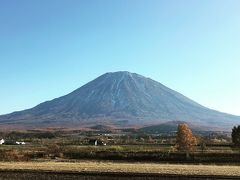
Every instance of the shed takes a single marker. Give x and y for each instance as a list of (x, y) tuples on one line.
[(97, 142)]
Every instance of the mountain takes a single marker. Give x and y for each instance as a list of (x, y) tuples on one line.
[(120, 99)]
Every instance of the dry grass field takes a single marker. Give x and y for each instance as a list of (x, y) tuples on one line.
[(108, 166)]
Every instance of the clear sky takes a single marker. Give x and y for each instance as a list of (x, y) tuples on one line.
[(49, 48)]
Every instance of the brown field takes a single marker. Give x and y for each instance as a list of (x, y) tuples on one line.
[(109, 166)]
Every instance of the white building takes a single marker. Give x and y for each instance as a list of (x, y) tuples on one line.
[(20, 143), (2, 141)]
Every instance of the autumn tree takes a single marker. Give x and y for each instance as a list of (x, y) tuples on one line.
[(236, 136), (185, 140)]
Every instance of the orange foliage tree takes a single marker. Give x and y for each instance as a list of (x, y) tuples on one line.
[(185, 140)]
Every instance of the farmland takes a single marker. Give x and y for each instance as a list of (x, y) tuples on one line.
[(121, 145), (97, 168), (69, 155)]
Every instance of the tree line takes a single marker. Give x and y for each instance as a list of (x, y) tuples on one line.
[(186, 141)]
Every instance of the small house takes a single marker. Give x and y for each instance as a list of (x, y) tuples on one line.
[(20, 143), (97, 142), (2, 141)]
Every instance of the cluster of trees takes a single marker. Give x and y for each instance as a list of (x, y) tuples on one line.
[(28, 135)]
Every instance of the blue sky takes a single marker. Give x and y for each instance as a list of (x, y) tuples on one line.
[(49, 48)]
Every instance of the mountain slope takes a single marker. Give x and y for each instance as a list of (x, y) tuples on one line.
[(171, 126), (161, 128), (120, 99)]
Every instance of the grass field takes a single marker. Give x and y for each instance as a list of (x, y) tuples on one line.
[(109, 166)]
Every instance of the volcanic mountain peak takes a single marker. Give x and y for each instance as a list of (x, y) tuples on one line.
[(120, 99)]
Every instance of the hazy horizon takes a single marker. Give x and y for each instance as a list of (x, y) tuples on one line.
[(50, 48)]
